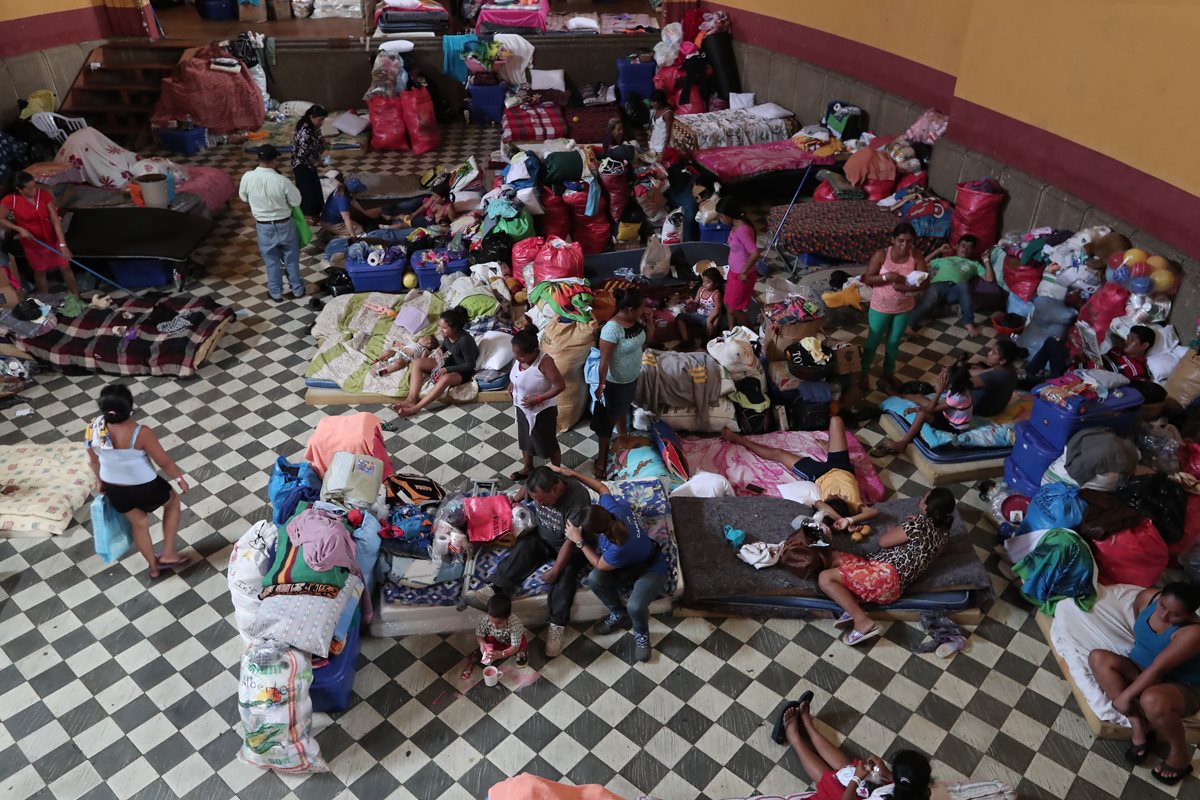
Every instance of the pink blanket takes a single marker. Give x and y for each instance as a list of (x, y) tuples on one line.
[(731, 164), (211, 183), (742, 467)]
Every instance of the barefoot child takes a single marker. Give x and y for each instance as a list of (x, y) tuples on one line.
[(396, 359), (705, 309), (500, 635), (948, 410)]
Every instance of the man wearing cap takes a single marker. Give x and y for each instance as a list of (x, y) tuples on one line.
[(272, 198)]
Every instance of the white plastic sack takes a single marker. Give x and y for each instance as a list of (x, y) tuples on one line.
[(248, 563), (276, 710), (706, 214), (350, 123), (656, 261), (672, 230), (259, 76), (803, 492), (705, 484), (337, 9)]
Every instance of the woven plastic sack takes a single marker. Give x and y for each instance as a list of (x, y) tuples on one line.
[(276, 710), (558, 259), (616, 187), (387, 124), (656, 260), (1183, 386), (421, 120), (977, 213), (524, 254), (594, 232), (569, 343)]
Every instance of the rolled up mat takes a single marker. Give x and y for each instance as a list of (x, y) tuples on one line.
[(719, 49)]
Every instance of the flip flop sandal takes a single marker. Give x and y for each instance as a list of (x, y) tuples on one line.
[(843, 621), (881, 450), (777, 734), (183, 561), (1136, 753), (854, 638), (1180, 774)]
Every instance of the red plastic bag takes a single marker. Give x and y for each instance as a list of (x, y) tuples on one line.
[(558, 259), (616, 188), (918, 178), (667, 79), (1191, 528), (1137, 556), (1021, 280), (977, 213), (556, 217), (824, 193), (878, 188), (576, 201), (488, 518), (387, 124), (524, 253), (595, 232), (695, 104), (1103, 307), (421, 120)]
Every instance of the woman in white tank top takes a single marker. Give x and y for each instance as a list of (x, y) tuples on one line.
[(534, 383), (123, 454)]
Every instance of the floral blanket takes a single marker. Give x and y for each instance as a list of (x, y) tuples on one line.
[(42, 487), (847, 230), (728, 128)]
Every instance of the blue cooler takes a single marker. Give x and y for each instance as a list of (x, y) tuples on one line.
[(383, 278), (714, 232), (333, 683), (189, 142), (487, 103), (1056, 424), (429, 278)]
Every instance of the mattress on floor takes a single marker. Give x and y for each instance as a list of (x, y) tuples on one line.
[(942, 473), (687, 420), (951, 455), (846, 230), (714, 573), (434, 610), (43, 487)]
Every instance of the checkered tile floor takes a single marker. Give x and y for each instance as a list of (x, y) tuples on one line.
[(114, 687)]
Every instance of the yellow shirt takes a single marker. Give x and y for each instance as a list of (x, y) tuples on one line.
[(843, 484)]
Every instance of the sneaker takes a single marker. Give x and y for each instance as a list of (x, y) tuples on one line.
[(641, 646), (478, 598), (299, 293), (612, 622), (275, 297), (554, 640)]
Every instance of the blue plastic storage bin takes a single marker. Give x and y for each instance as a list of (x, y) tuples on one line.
[(383, 278), (714, 232), (627, 89), (1018, 480), (137, 273), (189, 142), (333, 683), (430, 278), (487, 103), (635, 71), (217, 10)]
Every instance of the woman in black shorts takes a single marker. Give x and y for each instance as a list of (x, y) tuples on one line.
[(123, 454), (535, 384)]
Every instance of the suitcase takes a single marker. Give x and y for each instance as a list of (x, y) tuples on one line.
[(1031, 452), (1056, 425), (1018, 480)]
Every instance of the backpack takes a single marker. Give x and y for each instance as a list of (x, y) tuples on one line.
[(844, 120), (805, 415)]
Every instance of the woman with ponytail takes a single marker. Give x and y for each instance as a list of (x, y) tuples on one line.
[(123, 455), (624, 557), (308, 145), (534, 383), (906, 552), (452, 364), (836, 776)]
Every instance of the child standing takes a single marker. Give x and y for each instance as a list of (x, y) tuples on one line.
[(662, 119), (950, 282), (705, 309), (499, 635), (949, 410)]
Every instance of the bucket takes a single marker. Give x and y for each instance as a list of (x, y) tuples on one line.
[(491, 676), (154, 190)]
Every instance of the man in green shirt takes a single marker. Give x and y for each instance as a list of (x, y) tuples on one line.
[(950, 282)]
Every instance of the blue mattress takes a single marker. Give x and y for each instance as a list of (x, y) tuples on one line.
[(927, 601), (952, 455)]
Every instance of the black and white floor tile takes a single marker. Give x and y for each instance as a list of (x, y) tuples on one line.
[(113, 687)]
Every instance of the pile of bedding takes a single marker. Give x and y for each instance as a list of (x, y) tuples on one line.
[(41, 486), (214, 99), (729, 128), (848, 230)]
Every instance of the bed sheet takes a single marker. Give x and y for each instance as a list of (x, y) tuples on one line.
[(280, 134), (628, 23), (1075, 633), (728, 128), (532, 17), (733, 164), (211, 183), (846, 230), (742, 467), (984, 439), (50, 482)]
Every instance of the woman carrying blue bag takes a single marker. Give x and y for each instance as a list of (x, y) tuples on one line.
[(123, 454)]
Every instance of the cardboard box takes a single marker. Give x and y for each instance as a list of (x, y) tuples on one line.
[(279, 9), (252, 13), (777, 338), (847, 359)]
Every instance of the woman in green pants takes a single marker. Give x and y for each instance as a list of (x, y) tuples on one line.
[(892, 299)]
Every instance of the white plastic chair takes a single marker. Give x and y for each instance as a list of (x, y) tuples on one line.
[(56, 126)]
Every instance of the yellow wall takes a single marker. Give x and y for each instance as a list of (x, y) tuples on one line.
[(1116, 76), (18, 9)]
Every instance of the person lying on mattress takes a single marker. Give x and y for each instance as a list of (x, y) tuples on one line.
[(558, 499), (836, 776), (1158, 683), (841, 501), (949, 409), (453, 364), (906, 552)]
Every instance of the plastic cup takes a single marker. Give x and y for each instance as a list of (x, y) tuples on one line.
[(491, 676)]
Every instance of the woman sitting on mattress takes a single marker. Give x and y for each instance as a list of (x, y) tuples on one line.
[(841, 501), (1158, 683), (452, 364), (906, 552)]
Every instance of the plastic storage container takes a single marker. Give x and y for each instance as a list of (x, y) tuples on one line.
[(189, 142), (1031, 453), (487, 103), (217, 10), (627, 89), (1018, 480), (641, 72), (714, 232), (429, 278), (383, 278), (333, 683)]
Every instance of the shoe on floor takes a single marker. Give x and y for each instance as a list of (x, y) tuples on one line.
[(275, 297), (299, 293), (554, 640), (641, 646), (478, 598), (613, 622)]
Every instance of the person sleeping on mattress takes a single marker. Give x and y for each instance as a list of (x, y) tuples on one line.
[(1157, 684), (949, 409), (906, 551), (841, 502)]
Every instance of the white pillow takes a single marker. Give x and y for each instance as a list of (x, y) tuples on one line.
[(583, 24), (397, 45), (741, 99), (305, 622), (295, 108), (495, 350), (769, 111), (547, 79), (350, 123)]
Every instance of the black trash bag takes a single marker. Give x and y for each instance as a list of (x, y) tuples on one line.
[(637, 113), (1164, 502), (496, 246)]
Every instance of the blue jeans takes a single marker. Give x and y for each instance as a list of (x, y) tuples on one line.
[(946, 293), (683, 198), (279, 243), (644, 586), (390, 235), (1051, 359)]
